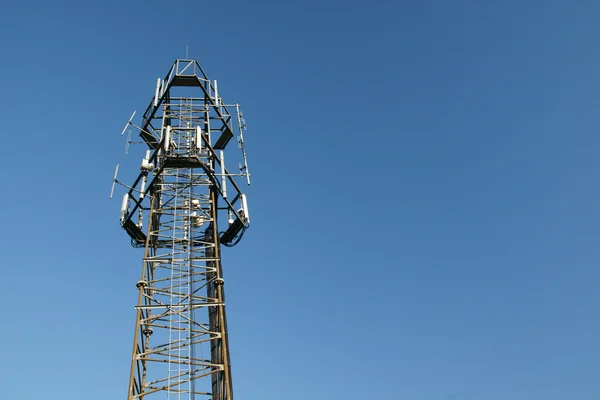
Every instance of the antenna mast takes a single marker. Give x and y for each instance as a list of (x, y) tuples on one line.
[(172, 211)]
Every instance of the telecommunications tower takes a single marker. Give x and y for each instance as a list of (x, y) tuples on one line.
[(172, 210)]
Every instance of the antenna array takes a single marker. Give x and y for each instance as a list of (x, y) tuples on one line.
[(172, 211)]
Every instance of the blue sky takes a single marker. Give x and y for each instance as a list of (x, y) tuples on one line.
[(424, 199)]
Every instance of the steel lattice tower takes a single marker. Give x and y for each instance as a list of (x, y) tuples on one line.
[(180, 346)]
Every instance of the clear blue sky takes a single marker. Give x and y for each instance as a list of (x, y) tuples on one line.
[(425, 201)]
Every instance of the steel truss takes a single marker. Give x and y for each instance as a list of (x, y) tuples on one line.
[(180, 347)]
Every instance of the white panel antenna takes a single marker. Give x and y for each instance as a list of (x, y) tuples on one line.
[(167, 139), (124, 207), (157, 93), (223, 177), (198, 139), (245, 208), (216, 94)]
